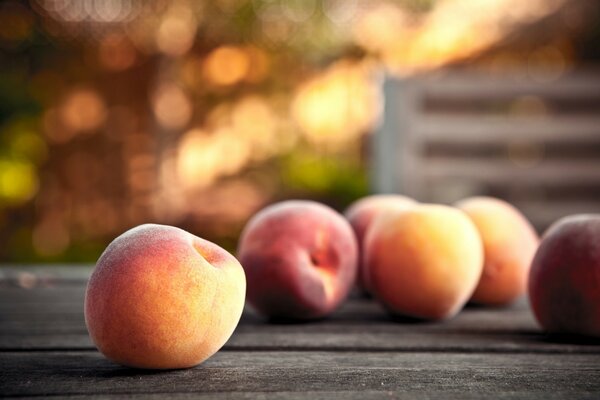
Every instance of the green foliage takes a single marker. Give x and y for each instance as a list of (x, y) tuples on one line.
[(333, 176)]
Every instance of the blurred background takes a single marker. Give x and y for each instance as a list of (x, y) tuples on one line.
[(115, 113)]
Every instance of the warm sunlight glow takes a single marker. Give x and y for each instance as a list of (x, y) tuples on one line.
[(172, 107), (83, 110), (254, 122), (176, 33), (380, 28), (199, 159), (453, 30), (336, 107), (226, 65)]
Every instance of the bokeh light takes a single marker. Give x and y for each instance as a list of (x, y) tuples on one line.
[(18, 181), (381, 28), (172, 106), (335, 108), (196, 114), (176, 32), (83, 110), (198, 159), (91, 10), (255, 123), (226, 65)]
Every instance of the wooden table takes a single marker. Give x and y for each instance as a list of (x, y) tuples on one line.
[(357, 353)]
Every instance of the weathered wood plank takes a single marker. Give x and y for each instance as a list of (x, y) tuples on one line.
[(578, 172), (346, 395), (471, 85), (52, 318), (81, 373), (464, 113), (476, 130), (30, 276), (41, 298), (535, 343), (40, 310), (47, 305), (359, 352)]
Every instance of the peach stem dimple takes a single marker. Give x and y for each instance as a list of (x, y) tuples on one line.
[(324, 270), (204, 253), (314, 259)]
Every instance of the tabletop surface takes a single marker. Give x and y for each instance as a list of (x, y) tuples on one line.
[(359, 352)]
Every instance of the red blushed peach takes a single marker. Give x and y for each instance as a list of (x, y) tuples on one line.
[(424, 261), (163, 298), (564, 281), (362, 213), (300, 259), (509, 243)]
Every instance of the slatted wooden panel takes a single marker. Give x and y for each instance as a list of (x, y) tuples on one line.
[(456, 134), (358, 353)]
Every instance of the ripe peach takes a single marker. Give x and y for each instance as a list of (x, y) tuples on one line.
[(424, 261), (564, 281), (300, 259), (509, 243), (361, 215), (162, 298)]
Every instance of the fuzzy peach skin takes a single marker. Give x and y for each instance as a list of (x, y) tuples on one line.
[(423, 262), (564, 281), (300, 259), (509, 243), (163, 298), (361, 214)]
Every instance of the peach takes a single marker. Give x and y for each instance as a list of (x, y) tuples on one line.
[(300, 259), (509, 243), (163, 298), (362, 213), (424, 261), (564, 281)]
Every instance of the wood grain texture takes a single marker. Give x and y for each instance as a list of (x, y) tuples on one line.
[(44, 276), (475, 85), (346, 395), (358, 353), (51, 318), (68, 373), (467, 130)]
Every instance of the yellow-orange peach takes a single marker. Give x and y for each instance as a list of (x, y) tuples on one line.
[(163, 298), (509, 243), (362, 213), (424, 261), (300, 259), (564, 281)]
